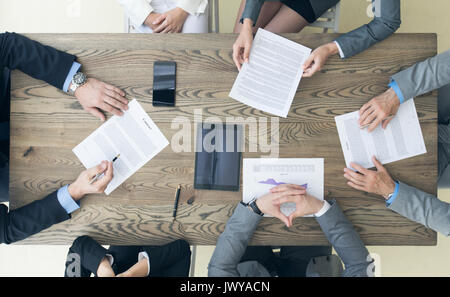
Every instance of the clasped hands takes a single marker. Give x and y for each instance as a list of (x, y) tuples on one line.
[(305, 204)]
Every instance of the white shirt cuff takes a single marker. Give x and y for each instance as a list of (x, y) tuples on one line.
[(193, 7), (326, 206), (138, 12), (144, 255), (341, 53)]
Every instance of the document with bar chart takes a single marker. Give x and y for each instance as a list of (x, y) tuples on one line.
[(262, 174)]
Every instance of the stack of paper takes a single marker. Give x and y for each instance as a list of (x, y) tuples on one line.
[(401, 139), (133, 135), (270, 80)]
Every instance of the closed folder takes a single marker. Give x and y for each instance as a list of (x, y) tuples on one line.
[(218, 157)]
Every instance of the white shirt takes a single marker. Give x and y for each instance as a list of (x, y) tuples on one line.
[(138, 10)]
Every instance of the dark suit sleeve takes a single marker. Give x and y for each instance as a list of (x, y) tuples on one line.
[(170, 260), (37, 60), (346, 241), (30, 219), (84, 257)]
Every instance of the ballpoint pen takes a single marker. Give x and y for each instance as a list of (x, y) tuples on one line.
[(98, 175), (175, 207)]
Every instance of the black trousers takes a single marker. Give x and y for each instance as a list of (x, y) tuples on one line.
[(170, 260), (4, 133), (292, 261)]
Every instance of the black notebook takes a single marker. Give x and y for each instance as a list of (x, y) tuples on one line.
[(218, 157)]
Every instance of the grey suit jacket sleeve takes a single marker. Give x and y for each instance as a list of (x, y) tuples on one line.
[(385, 22), (423, 208), (233, 242), (346, 241), (425, 76)]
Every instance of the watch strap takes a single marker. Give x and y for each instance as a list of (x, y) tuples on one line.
[(253, 206)]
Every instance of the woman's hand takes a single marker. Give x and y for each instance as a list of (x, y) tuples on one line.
[(171, 21), (243, 44), (318, 58)]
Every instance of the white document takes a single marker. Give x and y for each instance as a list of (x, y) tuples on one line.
[(134, 136), (262, 174), (270, 80), (401, 139)]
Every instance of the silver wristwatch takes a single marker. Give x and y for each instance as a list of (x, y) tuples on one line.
[(78, 80)]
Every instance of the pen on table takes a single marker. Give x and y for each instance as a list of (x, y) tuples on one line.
[(175, 207), (367, 125), (97, 176)]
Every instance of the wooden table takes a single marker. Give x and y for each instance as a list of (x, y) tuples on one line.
[(46, 124)]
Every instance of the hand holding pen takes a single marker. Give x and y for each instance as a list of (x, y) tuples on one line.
[(101, 174), (83, 185)]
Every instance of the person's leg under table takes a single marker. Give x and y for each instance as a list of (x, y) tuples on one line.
[(296, 259), (268, 11), (5, 86)]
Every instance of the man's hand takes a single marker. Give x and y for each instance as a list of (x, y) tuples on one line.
[(376, 182), (266, 203), (82, 185), (243, 44), (105, 269), (140, 269), (318, 58), (305, 204), (171, 21), (379, 109), (95, 95), (151, 22)]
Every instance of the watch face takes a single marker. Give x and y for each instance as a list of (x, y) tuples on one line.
[(79, 78)]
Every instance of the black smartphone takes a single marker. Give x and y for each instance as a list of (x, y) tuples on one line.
[(164, 74)]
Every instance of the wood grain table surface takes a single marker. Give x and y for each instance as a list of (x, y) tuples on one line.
[(46, 124)]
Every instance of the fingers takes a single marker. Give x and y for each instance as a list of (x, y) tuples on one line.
[(286, 198), (355, 186), (168, 29), (100, 168), (308, 62), (283, 218), (386, 122), (115, 100), (364, 108), (284, 187), (291, 218), (378, 164), (374, 124), (161, 27), (354, 176), (359, 168), (363, 118), (103, 182), (159, 19), (236, 58), (247, 49), (96, 113), (121, 93), (109, 108)]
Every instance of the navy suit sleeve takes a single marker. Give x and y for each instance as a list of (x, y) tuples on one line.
[(90, 254), (30, 219), (37, 60)]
